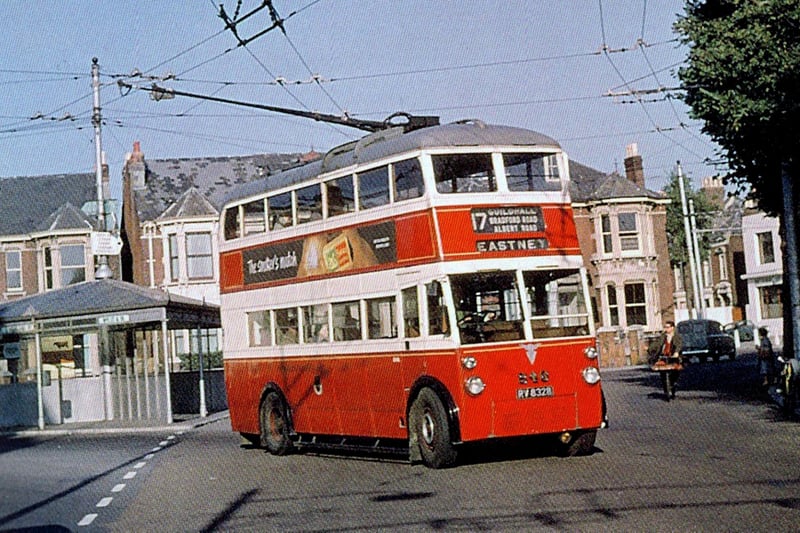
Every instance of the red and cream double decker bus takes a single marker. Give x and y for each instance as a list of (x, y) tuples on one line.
[(419, 286)]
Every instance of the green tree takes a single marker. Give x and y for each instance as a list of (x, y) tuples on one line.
[(676, 236), (742, 79)]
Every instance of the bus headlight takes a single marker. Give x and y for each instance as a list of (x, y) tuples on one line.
[(469, 362), (474, 385), (591, 375), (590, 352)]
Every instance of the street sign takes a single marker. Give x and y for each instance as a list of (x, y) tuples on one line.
[(11, 350), (104, 243)]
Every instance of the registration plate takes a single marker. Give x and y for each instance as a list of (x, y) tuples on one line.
[(534, 392)]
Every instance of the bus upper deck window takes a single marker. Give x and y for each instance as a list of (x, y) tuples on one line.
[(464, 173), (407, 180), (280, 211), (373, 188), (254, 217), (532, 172), (232, 227), (341, 196), (309, 203)]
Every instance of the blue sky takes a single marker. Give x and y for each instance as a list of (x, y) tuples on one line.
[(536, 64)]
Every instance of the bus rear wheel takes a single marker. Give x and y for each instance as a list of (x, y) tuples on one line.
[(431, 430), (275, 425)]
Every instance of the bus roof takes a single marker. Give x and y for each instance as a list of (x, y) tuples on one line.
[(393, 141)]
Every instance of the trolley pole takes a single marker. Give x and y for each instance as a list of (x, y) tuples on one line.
[(103, 271), (689, 248), (698, 260)]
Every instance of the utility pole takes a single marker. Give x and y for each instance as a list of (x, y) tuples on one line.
[(103, 271), (792, 268), (689, 247), (698, 259)]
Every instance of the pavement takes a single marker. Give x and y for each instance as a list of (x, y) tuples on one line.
[(180, 424)]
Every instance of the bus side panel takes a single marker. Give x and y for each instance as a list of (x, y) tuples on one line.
[(311, 412), (244, 396), (344, 395), (231, 274), (369, 395), (524, 397), (416, 237)]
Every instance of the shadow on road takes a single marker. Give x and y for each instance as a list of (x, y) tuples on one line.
[(725, 380)]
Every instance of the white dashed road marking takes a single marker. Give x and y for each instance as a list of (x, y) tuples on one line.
[(88, 519), (105, 501), (119, 487)]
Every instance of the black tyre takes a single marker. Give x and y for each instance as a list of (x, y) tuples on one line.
[(430, 429), (580, 444), (667, 384), (251, 439), (275, 426)]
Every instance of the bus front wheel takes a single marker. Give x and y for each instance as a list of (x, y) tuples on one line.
[(275, 425), (431, 430)]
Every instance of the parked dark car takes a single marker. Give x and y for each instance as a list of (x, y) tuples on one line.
[(745, 328), (705, 340)]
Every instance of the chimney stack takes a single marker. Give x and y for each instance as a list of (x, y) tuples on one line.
[(134, 164), (633, 165), (714, 190)]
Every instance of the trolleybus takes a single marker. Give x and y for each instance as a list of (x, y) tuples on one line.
[(423, 287)]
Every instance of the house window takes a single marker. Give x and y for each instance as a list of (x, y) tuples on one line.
[(723, 265), (628, 234), (199, 264), (765, 247), (635, 310), (771, 301), (174, 264), (14, 270), (73, 264), (605, 231), (613, 306), (48, 268)]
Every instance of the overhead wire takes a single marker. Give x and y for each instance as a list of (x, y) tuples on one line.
[(628, 86)]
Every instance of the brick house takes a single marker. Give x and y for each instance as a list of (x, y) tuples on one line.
[(45, 244), (622, 233), (170, 225)]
